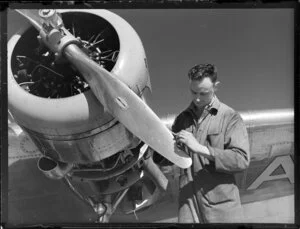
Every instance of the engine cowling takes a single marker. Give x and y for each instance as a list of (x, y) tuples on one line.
[(96, 155), (79, 122)]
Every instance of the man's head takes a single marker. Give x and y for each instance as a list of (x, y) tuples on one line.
[(203, 82)]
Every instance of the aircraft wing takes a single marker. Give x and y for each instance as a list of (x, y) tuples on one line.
[(266, 187), (271, 137)]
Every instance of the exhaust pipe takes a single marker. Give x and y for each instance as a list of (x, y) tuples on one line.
[(53, 169), (155, 173)]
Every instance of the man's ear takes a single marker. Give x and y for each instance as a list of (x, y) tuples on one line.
[(216, 85)]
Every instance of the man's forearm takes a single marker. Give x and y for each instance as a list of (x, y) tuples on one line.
[(230, 160), (204, 151)]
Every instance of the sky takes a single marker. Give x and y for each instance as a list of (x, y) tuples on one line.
[(252, 49)]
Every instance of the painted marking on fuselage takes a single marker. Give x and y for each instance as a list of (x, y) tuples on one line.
[(122, 103), (288, 166)]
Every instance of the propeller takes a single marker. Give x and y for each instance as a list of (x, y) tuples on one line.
[(33, 17), (119, 100)]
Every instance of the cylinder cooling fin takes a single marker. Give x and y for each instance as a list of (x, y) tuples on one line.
[(50, 99), (81, 143), (52, 93), (37, 71)]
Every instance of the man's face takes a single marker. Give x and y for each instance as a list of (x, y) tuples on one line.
[(202, 91)]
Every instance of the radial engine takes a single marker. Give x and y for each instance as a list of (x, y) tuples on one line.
[(82, 144)]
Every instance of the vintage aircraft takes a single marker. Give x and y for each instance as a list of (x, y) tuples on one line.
[(108, 153)]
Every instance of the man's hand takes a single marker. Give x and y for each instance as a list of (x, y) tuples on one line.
[(188, 139)]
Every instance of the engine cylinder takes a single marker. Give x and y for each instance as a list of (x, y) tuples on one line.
[(75, 128)]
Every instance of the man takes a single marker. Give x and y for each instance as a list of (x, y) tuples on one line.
[(214, 135)]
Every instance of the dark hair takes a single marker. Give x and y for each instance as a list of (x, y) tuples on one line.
[(200, 71)]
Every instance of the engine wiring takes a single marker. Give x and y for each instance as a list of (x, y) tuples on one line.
[(39, 72), (123, 157)]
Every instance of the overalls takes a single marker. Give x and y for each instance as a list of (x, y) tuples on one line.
[(207, 190)]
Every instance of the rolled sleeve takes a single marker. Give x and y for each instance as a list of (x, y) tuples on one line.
[(235, 156)]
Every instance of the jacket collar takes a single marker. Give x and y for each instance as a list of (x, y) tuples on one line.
[(212, 107)]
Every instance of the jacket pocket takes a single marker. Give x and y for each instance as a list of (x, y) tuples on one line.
[(221, 194), (216, 187), (215, 137), (214, 129), (215, 125)]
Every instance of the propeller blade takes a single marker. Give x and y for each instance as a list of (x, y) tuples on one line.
[(33, 16), (127, 107), (118, 99)]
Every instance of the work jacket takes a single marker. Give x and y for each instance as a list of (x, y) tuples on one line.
[(208, 191)]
